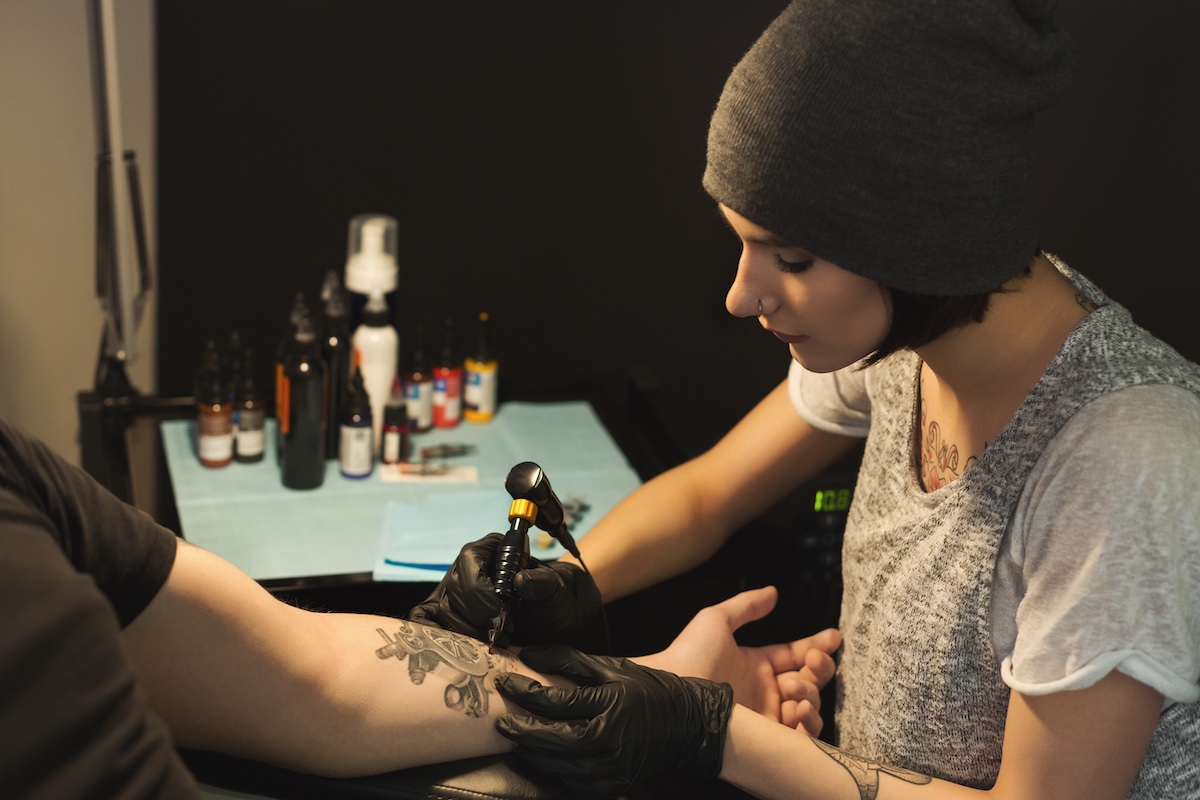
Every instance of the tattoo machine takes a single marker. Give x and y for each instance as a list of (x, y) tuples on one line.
[(534, 503)]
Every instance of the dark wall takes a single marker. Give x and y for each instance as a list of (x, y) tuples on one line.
[(543, 159)]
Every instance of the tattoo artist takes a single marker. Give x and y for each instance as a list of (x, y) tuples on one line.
[(1022, 560)]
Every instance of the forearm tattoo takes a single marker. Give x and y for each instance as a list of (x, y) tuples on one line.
[(866, 773), (461, 661)]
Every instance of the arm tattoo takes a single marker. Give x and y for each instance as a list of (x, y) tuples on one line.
[(460, 660), (866, 773)]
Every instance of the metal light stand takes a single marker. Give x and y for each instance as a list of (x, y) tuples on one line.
[(122, 270)]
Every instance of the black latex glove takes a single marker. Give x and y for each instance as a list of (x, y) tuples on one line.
[(558, 602), (622, 724), (465, 601)]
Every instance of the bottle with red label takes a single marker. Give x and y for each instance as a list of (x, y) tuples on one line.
[(447, 382)]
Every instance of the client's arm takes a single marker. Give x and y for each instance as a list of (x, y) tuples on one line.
[(234, 670)]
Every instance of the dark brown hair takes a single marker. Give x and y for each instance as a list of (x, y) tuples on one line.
[(918, 319)]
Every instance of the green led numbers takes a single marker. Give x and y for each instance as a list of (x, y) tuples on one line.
[(832, 500)]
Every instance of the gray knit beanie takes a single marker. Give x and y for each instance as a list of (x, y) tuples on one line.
[(893, 137)]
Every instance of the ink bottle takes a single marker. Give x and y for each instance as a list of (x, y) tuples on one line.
[(418, 386), (356, 448), (336, 350), (479, 389), (214, 412), (394, 449), (447, 382), (302, 417), (249, 444)]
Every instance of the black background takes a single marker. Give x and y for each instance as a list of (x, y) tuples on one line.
[(544, 160)]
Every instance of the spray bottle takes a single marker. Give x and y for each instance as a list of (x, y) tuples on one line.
[(376, 353)]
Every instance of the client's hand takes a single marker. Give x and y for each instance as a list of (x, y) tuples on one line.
[(622, 723), (559, 602), (782, 682)]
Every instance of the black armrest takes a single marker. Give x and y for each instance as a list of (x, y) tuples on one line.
[(499, 777)]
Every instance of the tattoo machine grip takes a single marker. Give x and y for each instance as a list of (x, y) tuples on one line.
[(513, 555), (527, 481)]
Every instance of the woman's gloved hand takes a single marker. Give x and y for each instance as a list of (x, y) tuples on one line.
[(559, 602), (623, 723)]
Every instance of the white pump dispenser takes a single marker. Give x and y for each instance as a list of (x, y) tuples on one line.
[(371, 261)]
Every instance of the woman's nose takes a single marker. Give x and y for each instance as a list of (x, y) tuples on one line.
[(742, 298)]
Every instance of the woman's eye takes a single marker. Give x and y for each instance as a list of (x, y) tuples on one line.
[(792, 267)]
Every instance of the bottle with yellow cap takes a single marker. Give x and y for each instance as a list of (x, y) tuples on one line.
[(479, 393)]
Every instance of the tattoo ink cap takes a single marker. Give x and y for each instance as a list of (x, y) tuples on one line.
[(894, 139), (479, 387), (371, 264)]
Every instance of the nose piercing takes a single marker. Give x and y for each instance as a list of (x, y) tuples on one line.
[(760, 313)]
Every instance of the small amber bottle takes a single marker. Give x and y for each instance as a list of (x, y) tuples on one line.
[(214, 412)]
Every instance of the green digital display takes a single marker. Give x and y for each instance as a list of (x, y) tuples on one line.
[(832, 500)]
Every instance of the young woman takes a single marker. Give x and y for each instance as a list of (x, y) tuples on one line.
[(1022, 558)]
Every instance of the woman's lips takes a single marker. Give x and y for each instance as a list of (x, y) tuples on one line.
[(784, 337)]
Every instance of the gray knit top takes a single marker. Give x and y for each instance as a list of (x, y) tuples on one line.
[(930, 655)]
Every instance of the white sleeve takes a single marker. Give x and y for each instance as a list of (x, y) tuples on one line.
[(1107, 542), (836, 402)]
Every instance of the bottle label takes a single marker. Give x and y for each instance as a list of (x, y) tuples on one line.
[(251, 438), (418, 396), (447, 397), (479, 394), (356, 454), (395, 446), (214, 438)]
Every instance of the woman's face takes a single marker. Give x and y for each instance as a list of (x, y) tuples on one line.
[(830, 318)]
